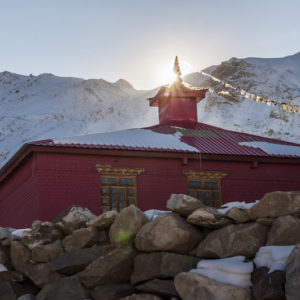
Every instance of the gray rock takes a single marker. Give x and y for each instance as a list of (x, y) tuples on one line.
[(3, 255), (160, 265), (40, 274), (68, 288), (292, 286), (192, 286), (208, 217), (12, 276), (126, 225), (270, 287), (258, 274), (41, 233), (168, 233), (142, 297), (27, 297), (103, 221), (111, 268), (83, 237), (44, 253), (183, 204), (232, 240), (19, 254), (285, 231), (74, 218), (276, 204), (75, 261), (6, 291), (164, 288), (5, 233), (112, 292), (238, 215), (265, 221)]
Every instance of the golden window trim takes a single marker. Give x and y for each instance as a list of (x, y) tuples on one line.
[(191, 174), (206, 176), (109, 170)]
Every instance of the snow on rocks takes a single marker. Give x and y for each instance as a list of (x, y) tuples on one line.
[(2, 268), (19, 232), (273, 257), (227, 206), (232, 270), (152, 214)]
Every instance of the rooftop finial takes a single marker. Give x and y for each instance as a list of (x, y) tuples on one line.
[(176, 69)]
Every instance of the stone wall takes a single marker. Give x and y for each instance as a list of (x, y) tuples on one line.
[(129, 256)]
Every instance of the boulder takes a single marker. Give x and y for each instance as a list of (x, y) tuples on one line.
[(160, 265), (41, 233), (19, 254), (126, 225), (111, 268), (44, 253), (192, 286), (103, 221), (233, 240), (73, 218), (68, 288), (27, 297), (7, 292), (11, 276), (83, 237), (39, 274), (276, 204), (183, 204), (258, 274), (238, 215), (5, 233), (168, 233), (285, 231), (164, 288), (270, 287), (3, 255), (142, 297), (112, 292), (292, 286), (75, 261), (208, 217)]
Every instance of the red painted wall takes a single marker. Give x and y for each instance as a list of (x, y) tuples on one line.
[(177, 109), (60, 180), (18, 197)]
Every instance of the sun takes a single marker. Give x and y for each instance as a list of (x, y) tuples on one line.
[(166, 76)]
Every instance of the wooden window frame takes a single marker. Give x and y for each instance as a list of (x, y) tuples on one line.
[(107, 171), (206, 176)]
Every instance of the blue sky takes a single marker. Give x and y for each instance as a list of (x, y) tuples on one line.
[(138, 39)]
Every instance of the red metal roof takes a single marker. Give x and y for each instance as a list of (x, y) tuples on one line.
[(202, 138)]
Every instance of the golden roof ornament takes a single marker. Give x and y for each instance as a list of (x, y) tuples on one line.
[(176, 69)]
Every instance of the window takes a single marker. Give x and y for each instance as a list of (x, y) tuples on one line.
[(205, 186), (118, 187)]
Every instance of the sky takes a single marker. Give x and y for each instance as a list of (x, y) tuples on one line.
[(137, 40)]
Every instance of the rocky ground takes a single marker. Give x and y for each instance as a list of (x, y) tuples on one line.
[(129, 256)]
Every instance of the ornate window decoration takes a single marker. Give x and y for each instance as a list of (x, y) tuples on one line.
[(205, 186), (118, 186)]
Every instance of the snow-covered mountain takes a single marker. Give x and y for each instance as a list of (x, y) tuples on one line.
[(271, 78), (47, 106)]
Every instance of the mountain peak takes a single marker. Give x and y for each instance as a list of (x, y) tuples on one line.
[(122, 83)]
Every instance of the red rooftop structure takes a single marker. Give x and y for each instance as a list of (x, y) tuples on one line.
[(144, 166)]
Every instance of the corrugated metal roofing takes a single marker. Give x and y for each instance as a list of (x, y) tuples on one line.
[(176, 137)]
